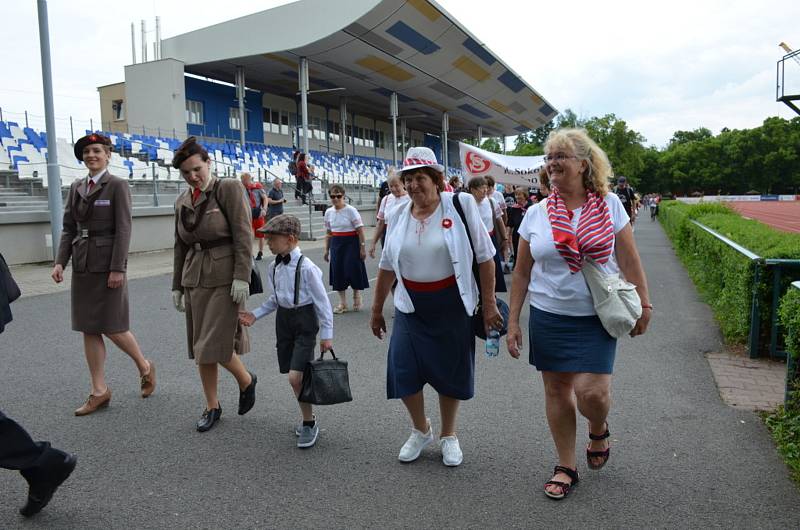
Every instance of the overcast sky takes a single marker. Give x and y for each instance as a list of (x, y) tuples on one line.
[(662, 66)]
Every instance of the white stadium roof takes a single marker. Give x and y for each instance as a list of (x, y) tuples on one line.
[(371, 48)]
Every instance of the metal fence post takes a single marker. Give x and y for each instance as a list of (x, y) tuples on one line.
[(155, 185), (755, 314)]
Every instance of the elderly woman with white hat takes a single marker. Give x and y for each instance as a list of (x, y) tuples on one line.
[(428, 251)]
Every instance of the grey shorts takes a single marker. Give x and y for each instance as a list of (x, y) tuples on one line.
[(297, 337)]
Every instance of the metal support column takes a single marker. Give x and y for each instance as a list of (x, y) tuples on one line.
[(53, 171), (403, 148), (445, 128), (240, 98), (504, 144), (304, 101), (393, 114), (480, 136), (343, 124)]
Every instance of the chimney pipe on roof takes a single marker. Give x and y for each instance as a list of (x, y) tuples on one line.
[(133, 42), (144, 42)]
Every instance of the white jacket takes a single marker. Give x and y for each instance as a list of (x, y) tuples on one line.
[(457, 245)]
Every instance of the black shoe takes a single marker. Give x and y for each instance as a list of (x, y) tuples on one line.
[(247, 397), (40, 493), (259, 256), (209, 418)]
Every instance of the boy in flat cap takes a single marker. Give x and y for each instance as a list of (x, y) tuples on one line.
[(304, 309)]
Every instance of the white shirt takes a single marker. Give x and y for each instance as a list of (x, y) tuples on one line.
[(389, 203), (312, 290), (424, 256), (345, 220), (552, 287), (485, 209), (456, 241), (499, 199), (95, 178)]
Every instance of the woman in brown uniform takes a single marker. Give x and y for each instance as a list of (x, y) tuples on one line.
[(96, 234), (211, 274)]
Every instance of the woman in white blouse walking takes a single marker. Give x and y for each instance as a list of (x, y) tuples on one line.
[(428, 251), (345, 249)]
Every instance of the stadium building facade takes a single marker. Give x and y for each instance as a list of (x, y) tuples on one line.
[(367, 78)]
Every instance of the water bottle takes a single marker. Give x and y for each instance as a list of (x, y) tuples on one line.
[(492, 343)]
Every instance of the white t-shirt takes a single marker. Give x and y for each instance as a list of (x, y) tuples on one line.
[(345, 220), (552, 287), (389, 203), (424, 256), (485, 209), (499, 200)]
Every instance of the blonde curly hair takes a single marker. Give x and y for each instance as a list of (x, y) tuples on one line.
[(598, 171)]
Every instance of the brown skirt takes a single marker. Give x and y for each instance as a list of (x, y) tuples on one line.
[(213, 331), (96, 309)]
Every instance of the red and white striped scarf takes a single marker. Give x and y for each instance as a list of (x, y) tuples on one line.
[(594, 237)]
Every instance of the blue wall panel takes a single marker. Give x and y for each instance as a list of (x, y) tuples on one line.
[(217, 99)]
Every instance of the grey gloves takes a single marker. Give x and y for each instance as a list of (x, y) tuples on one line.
[(240, 290)]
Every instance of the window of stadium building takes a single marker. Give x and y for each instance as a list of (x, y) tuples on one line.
[(194, 112), (233, 119), (119, 110)]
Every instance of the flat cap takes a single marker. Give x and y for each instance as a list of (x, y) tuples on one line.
[(283, 225), (90, 139)]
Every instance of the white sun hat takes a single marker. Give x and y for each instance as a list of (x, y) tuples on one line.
[(421, 157)]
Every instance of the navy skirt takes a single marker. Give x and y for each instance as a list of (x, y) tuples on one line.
[(432, 345), (347, 269), (561, 343), (499, 277)]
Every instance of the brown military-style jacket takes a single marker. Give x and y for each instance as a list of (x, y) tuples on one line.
[(226, 216), (97, 227)]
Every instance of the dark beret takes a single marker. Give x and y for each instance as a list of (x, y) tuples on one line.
[(90, 139)]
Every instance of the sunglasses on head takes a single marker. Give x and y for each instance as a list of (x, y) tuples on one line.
[(336, 196)]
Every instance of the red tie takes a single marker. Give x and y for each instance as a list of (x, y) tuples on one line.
[(90, 186), (195, 195)]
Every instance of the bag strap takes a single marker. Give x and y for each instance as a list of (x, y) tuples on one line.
[(460, 211)]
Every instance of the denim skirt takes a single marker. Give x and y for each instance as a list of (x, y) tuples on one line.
[(562, 343)]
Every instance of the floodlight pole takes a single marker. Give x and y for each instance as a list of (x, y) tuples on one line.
[(445, 128), (393, 112), (240, 97), (53, 171)]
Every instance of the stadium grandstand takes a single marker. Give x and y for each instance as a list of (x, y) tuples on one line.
[(353, 84)]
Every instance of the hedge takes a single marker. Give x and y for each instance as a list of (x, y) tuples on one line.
[(723, 276)]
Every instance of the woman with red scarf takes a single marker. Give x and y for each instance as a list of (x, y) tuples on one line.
[(580, 219)]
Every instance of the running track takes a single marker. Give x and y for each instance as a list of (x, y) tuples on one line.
[(783, 215)]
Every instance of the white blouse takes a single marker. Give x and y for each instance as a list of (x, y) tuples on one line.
[(389, 203), (424, 256), (345, 220), (485, 209)]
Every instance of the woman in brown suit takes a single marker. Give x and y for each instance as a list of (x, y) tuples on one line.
[(96, 235), (211, 274)]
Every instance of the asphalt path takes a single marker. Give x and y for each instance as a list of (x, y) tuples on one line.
[(680, 457)]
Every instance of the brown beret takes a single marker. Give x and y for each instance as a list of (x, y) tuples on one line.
[(283, 225), (90, 139)]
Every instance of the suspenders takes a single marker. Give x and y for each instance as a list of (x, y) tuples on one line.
[(296, 280)]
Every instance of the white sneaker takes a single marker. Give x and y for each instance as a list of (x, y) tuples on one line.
[(415, 444), (451, 451)]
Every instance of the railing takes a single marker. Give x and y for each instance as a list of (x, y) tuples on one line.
[(761, 265)]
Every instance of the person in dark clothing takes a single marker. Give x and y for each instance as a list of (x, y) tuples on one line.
[(304, 176), (44, 467), (293, 172), (516, 212), (627, 196)]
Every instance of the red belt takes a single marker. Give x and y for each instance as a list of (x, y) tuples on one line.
[(427, 287), (343, 234)]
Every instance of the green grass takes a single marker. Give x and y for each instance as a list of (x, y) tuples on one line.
[(784, 424)]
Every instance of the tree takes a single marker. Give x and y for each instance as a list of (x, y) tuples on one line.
[(493, 145)]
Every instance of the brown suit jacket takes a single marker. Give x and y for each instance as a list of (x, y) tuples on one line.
[(111, 213), (226, 215)]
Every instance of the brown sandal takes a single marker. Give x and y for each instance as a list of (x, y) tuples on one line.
[(564, 487), (598, 454)]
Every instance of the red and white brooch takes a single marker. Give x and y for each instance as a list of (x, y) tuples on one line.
[(447, 223)]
